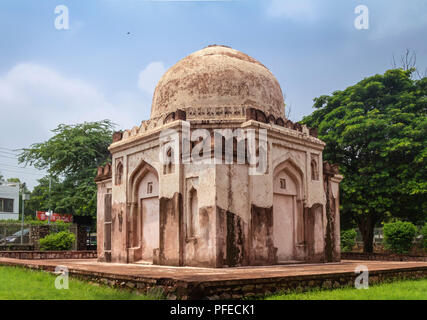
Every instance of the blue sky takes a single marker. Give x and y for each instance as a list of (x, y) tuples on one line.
[(95, 70)]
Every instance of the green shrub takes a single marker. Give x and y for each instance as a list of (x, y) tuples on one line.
[(58, 241), (399, 236), (348, 240), (59, 226), (424, 234)]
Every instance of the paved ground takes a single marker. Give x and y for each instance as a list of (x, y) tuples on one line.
[(209, 274)]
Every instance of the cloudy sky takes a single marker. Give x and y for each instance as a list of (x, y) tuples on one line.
[(107, 63)]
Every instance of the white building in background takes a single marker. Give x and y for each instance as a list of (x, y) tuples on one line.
[(9, 201)]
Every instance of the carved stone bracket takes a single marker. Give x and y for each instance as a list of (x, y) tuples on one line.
[(104, 172)]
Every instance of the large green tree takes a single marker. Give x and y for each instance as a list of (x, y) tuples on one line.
[(376, 131), (71, 158)]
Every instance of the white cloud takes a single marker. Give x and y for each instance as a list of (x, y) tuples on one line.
[(296, 10), (30, 83), (149, 77), (34, 99)]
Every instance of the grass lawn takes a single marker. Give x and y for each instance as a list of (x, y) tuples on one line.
[(19, 283), (24, 284), (399, 290)]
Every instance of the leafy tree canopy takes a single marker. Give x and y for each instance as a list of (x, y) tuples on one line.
[(376, 131), (71, 157)]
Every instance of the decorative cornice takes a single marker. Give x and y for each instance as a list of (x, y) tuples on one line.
[(103, 173), (330, 169), (226, 113)]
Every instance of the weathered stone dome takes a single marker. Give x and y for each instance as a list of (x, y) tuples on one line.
[(217, 77)]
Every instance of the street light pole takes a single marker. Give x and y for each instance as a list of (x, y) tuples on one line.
[(24, 197), (49, 212), (22, 214)]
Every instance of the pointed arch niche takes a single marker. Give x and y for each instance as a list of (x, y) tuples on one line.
[(192, 208), (288, 218), (118, 176), (144, 212)]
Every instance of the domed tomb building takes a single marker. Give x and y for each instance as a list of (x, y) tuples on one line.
[(218, 177)]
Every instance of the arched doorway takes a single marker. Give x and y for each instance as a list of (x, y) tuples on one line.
[(149, 215), (145, 220), (288, 227)]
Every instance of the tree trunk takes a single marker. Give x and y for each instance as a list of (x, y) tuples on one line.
[(366, 227)]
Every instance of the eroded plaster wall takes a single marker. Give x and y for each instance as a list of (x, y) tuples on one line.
[(245, 210), (199, 224), (233, 214), (104, 188)]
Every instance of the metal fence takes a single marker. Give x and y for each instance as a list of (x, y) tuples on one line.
[(13, 234), (379, 237)]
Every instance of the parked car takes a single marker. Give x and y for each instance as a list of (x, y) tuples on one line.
[(91, 240), (16, 237)]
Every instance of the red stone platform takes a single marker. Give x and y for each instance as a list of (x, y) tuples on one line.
[(226, 283)]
